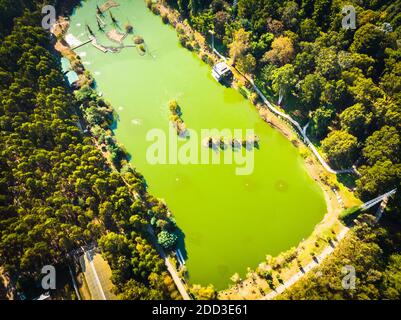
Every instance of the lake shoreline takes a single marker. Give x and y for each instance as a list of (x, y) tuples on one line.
[(312, 167), (330, 222)]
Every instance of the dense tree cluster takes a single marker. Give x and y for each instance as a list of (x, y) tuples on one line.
[(345, 82), (347, 85), (57, 191), (66, 182), (374, 254)]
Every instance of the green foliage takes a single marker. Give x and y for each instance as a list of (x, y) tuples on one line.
[(392, 278), (203, 22), (321, 119), (345, 83), (370, 40), (183, 7), (305, 60), (247, 63), (384, 144), (283, 80), (282, 51), (341, 148), (348, 215), (57, 192), (371, 250), (204, 293), (327, 63), (167, 240), (378, 179), (220, 21), (174, 107), (290, 14)]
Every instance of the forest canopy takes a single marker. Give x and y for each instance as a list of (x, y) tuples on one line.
[(344, 82), (57, 191)]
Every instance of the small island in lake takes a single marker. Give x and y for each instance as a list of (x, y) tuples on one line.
[(223, 143), (176, 119)]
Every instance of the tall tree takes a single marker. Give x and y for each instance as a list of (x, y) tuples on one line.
[(282, 51), (341, 148), (240, 44), (356, 120), (284, 80), (310, 90), (321, 119), (382, 145)]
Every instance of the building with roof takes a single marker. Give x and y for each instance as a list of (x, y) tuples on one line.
[(221, 71)]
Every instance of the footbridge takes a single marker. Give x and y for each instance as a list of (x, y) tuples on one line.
[(330, 249), (375, 201)]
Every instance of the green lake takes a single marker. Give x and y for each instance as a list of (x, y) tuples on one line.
[(230, 221)]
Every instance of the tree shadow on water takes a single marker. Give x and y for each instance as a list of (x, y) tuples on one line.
[(181, 243), (114, 124)]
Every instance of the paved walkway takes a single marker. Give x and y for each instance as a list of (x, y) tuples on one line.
[(177, 279), (326, 252), (171, 269), (91, 276), (302, 132)]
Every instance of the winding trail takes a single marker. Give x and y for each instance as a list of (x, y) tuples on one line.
[(329, 249), (316, 261), (301, 130), (170, 268)]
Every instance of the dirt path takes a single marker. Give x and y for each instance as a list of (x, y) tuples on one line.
[(316, 261), (250, 288), (171, 269)]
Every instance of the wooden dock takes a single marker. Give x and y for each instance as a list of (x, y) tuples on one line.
[(93, 41), (98, 46), (108, 5), (100, 20), (81, 44)]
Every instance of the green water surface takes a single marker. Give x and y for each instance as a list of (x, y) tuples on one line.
[(230, 222)]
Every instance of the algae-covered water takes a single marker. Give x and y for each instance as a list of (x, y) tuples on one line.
[(230, 222)]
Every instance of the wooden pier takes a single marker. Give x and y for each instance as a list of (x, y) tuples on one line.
[(98, 18), (93, 41), (108, 5), (98, 46), (81, 44)]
